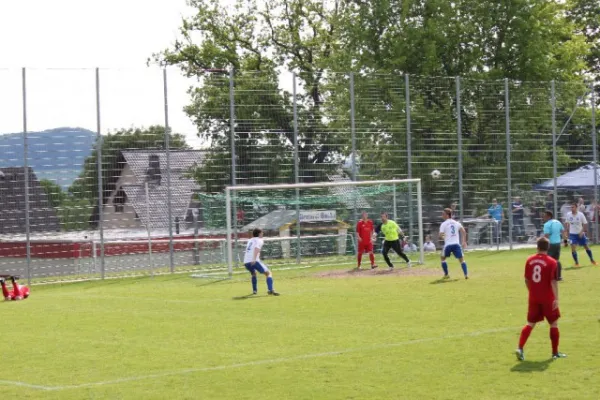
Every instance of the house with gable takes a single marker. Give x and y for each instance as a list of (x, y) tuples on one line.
[(125, 203)]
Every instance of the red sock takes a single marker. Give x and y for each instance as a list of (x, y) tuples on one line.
[(4, 290), (372, 258), (359, 258), (554, 335), (524, 335)]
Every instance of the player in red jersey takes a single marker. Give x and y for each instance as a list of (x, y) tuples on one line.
[(18, 292), (541, 279), (364, 235)]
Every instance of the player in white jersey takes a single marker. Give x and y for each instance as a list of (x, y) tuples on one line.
[(253, 264), (450, 231), (576, 225)]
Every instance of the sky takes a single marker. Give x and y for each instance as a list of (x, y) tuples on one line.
[(61, 42)]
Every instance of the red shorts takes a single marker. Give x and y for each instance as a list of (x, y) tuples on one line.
[(365, 246), (538, 311)]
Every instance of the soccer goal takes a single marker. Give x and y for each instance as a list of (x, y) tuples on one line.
[(314, 224)]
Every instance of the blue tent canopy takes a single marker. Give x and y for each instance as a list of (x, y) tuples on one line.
[(578, 180)]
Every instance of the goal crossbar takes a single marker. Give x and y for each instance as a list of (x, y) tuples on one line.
[(235, 188)]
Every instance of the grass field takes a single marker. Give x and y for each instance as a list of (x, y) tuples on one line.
[(370, 337)]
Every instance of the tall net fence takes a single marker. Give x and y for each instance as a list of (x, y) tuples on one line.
[(108, 172)]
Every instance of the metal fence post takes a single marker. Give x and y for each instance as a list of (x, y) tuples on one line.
[(508, 171), (461, 209), (595, 152), (168, 156), (233, 156), (296, 168), (26, 177), (99, 141), (408, 155), (353, 133), (554, 155)]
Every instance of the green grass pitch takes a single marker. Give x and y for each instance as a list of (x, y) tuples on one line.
[(371, 337)]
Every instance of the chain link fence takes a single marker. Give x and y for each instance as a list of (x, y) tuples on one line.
[(117, 172)]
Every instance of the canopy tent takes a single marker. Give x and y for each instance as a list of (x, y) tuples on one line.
[(581, 179)]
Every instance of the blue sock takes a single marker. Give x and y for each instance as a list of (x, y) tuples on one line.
[(445, 267), (589, 253), (574, 253), (464, 267), (254, 284), (270, 283)]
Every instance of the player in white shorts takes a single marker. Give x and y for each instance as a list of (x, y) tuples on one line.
[(253, 263), (576, 225), (450, 231)]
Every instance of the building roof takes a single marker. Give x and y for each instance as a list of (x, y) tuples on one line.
[(182, 186), (272, 221), (42, 217), (180, 162), (279, 218), (156, 208)]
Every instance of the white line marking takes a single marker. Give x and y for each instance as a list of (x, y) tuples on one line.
[(27, 385), (270, 361), (277, 360)]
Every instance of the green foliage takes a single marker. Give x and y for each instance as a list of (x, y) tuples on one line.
[(380, 40), (73, 213)]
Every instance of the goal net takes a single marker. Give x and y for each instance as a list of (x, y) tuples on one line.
[(314, 224)]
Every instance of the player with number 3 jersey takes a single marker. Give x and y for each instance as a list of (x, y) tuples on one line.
[(451, 231), (541, 279), (253, 263)]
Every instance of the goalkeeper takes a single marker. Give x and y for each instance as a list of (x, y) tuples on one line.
[(18, 292), (392, 233)]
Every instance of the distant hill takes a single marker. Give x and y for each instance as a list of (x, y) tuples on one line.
[(55, 154)]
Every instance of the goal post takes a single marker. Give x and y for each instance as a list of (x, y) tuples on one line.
[(284, 200)]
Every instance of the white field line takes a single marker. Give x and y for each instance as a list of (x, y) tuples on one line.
[(26, 385), (171, 300), (268, 361)]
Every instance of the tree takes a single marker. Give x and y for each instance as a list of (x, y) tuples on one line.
[(380, 40), (585, 15), (73, 213), (297, 34)]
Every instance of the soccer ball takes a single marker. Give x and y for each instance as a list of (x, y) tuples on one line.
[(436, 174)]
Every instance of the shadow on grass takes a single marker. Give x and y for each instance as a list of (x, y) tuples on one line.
[(248, 296), (531, 366), (212, 281), (575, 268), (442, 280)]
